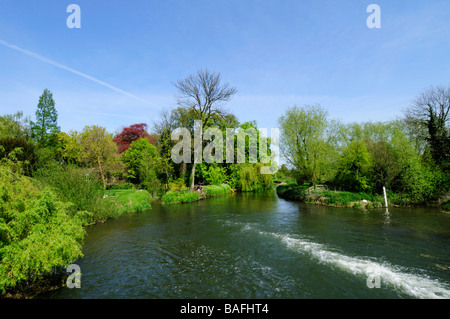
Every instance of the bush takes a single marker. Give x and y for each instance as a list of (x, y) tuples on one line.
[(38, 233), (292, 191), (81, 188), (215, 175), (19, 151), (178, 185)]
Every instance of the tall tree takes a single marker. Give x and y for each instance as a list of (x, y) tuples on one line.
[(306, 142), (14, 125), (430, 113), (142, 159), (45, 129), (99, 150), (203, 93)]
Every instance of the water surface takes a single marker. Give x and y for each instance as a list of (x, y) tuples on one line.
[(261, 246)]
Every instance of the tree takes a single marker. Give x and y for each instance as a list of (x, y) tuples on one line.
[(306, 142), (45, 128), (203, 93), (142, 160), (99, 150), (354, 168), (14, 125), (69, 147), (430, 114), (131, 134)]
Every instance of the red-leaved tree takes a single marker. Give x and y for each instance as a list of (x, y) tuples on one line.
[(131, 134)]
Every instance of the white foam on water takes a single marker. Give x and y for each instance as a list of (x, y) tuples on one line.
[(418, 286)]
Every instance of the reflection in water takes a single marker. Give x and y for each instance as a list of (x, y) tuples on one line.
[(387, 217)]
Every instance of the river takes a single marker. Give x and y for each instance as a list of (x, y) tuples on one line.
[(261, 246)]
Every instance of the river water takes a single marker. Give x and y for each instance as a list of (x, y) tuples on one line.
[(261, 246)]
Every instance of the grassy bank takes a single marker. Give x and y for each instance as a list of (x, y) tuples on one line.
[(177, 197), (130, 200), (324, 197)]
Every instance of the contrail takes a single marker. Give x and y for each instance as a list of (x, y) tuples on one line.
[(61, 66)]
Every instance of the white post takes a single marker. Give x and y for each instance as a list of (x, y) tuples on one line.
[(385, 197)]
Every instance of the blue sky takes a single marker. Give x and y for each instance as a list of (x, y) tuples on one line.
[(276, 53)]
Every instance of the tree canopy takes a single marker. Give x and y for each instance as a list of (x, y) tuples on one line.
[(45, 129)]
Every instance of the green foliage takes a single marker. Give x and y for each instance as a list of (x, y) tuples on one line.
[(80, 187), (69, 147), (38, 232), (99, 151), (176, 197), (446, 206), (326, 197), (232, 175), (248, 178), (292, 191), (20, 152), (45, 129), (217, 190), (142, 160), (178, 185), (307, 142), (14, 126), (354, 168), (416, 180), (251, 179), (214, 174), (131, 200)]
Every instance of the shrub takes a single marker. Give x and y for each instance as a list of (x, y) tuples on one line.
[(215, 175), (177, 185), (19, 151), (81, 188), (292, 191), (38, 232)]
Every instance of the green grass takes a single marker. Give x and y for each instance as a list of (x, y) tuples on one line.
[(217, 190), (185, 196), (130, 200), (176, 197)]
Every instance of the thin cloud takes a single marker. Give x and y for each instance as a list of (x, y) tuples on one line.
[(63, 67)]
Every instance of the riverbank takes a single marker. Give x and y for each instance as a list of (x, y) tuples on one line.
[(324, 197), (130, 200), (200, 193)]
